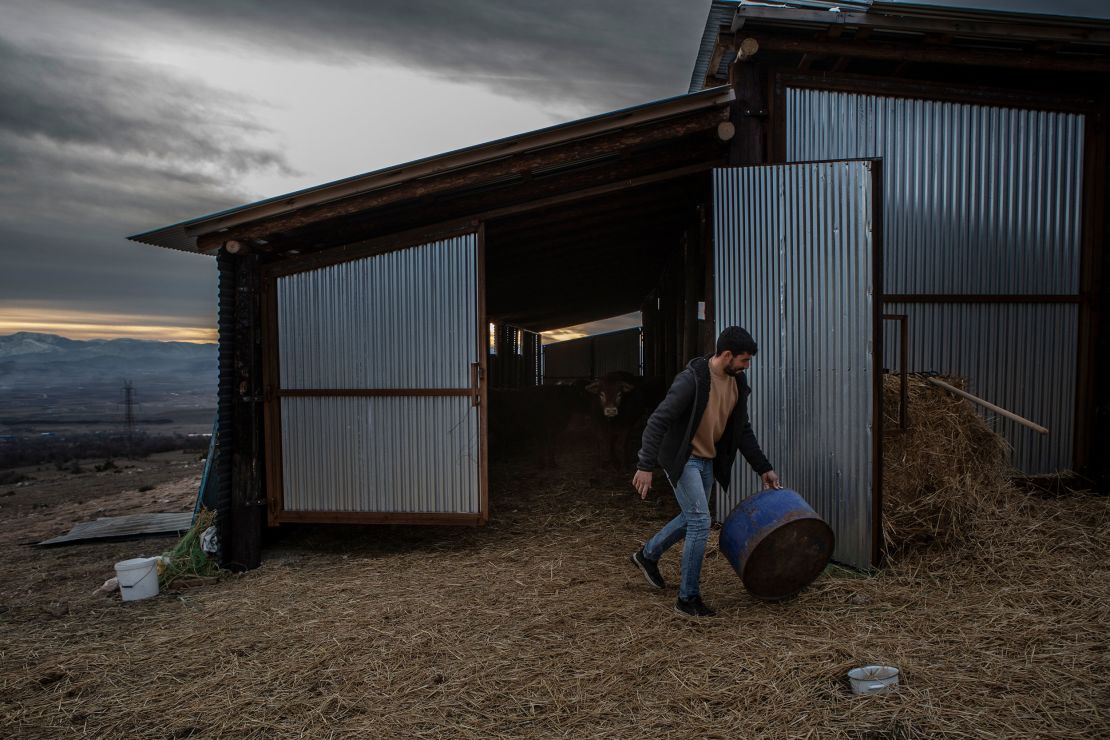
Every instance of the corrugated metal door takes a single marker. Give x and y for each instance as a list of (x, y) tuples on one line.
[(379, 365), (796, 255)]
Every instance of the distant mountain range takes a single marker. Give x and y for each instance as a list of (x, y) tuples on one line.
[(30, 361)]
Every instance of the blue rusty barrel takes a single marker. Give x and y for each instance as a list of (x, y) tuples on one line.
[(776, 543)]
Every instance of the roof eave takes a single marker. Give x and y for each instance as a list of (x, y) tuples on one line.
[(184, 235)]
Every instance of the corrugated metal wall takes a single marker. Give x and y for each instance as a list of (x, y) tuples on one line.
[(380, 454), (1007, 351), (405, 319), (514, 357), (793, 253), (402, 320), (978, 200), (617, 351)]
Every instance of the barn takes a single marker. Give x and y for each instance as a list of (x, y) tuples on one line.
[(872, 189)]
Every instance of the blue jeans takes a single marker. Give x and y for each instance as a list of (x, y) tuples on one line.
[(692, 493)]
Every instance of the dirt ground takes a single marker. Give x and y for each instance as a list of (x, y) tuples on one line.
[(45, 583), (537, 625)]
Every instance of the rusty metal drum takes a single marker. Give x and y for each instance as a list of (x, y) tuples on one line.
[(776, 543)]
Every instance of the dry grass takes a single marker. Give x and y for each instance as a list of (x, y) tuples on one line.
[(942, 473), (537, 626)]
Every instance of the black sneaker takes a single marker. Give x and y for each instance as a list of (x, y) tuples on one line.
[(693, 607), (650, 569)]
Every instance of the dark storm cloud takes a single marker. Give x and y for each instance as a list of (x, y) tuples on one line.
[(85, 134), (94, 272), (599, 53), (93, 147)]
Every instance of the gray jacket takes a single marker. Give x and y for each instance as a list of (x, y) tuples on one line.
[(670, 431)]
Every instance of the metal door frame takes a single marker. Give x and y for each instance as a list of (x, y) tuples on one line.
[(273, 393)]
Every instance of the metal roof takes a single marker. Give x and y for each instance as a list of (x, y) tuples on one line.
[(721, 13), (1056, 21), (183, 235), (131, 525)]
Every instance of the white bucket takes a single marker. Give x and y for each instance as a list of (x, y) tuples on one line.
[(873, 679), (138, 578)]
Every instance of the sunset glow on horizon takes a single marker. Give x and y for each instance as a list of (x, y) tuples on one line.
[(91, 325)]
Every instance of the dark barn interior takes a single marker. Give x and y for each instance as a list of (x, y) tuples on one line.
[(641, 249)]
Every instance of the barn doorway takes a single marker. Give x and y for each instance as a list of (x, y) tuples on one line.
[(639, 251), (789, 251)]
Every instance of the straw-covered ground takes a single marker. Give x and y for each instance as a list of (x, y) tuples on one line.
[(537, 625)]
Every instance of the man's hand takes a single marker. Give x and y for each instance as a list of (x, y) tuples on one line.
[(642, 482), (771, 480)]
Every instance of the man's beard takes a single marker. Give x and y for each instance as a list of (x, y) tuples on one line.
[(733, 373)]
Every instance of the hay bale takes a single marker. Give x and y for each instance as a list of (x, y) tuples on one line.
[(941, 473)]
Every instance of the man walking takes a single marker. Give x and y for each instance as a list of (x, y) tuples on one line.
[(694, 435)]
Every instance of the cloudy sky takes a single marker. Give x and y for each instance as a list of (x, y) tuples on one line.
[(122, 115)]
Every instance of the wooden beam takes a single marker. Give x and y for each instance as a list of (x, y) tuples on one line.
[(641, 203), (989, 406), (583, 237), (718, 55), (1021, 298), (1075, 31), (642, 166), (693, 266), (749, 114), (368, 517), (542, 316), (771, 42)]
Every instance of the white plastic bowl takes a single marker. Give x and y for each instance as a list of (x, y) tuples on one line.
[(873, 679)]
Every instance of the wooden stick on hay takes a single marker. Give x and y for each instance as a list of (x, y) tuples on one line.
[(988, 405)]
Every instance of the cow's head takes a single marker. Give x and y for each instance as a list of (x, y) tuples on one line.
[(609, 393)]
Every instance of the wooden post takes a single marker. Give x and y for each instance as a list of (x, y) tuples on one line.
[(748, 112), (647, 319), (667, 322), (248, 503), (679, 316), (709, 327), (657, 364), (691, 267)]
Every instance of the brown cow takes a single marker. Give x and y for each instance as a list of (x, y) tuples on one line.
[(617, 413)]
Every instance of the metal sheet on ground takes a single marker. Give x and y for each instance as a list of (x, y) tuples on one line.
[(132, 525)]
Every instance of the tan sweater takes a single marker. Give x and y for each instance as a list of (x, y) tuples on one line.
[(722, 400)]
